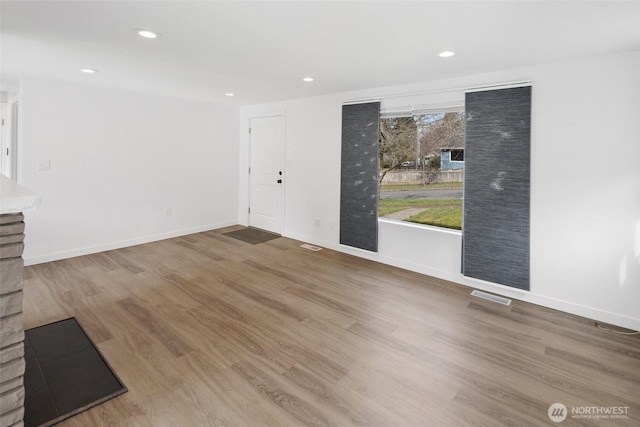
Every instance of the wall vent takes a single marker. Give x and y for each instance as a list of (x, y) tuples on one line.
[(311, 247), (491, 297)]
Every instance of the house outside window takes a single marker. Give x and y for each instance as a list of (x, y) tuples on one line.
[(451, 158)]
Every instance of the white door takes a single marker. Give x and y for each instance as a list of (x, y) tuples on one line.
[(266, 174), (4, 147)]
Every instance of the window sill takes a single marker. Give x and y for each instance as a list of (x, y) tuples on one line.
[(420, 226)]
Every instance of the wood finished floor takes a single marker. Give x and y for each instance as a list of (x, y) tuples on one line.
[(206, 330)]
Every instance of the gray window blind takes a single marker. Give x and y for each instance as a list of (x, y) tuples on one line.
[(359, 176), (496, 186)]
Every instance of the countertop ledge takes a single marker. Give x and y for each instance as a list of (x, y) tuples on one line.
[(15, 198)]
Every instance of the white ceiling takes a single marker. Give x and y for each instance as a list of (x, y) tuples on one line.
[(261, 50)]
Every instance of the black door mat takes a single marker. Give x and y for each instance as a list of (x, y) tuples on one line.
[(65, 374), (252, 235)]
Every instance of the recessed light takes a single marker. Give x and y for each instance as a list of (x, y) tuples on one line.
[(307, 79), (88, 70), (229, 94), (147, 34), (446, 54)]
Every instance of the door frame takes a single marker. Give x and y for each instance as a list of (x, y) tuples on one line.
[(283, 159)]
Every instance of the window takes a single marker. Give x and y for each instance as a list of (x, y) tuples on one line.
[(457, 155), (422, 168)]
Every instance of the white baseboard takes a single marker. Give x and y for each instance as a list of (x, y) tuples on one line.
[(123, 243), (527, 296)]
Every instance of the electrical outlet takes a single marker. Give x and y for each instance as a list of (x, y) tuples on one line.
[(316, 222), (167, 212)]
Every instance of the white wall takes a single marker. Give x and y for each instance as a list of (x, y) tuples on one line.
[(585, 185), (118, 159)]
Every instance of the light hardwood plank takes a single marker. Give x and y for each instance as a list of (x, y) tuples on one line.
[(206, 330)]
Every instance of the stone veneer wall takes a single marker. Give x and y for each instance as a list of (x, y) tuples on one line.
[(12, 362)]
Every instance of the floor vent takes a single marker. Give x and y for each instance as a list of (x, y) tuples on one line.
[(491, 297), (311, 247)]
